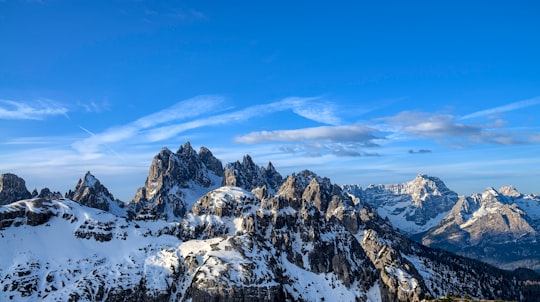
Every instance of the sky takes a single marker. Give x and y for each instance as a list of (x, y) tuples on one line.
[(362, 92)]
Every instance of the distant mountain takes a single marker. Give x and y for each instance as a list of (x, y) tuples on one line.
[(499, 227), (187, 238), (413, 207)]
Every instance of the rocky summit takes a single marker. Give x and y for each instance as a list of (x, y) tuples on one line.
[(202, 231), (91, 193)]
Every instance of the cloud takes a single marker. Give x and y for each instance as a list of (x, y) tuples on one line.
[(421, 124), (94, 106), (420, 151), (352, 133), (312, 109), (39, 110), (505, 108), (182, 110), (315, 149), (341, 141), (297, 104), (187, 115), (449, 129)]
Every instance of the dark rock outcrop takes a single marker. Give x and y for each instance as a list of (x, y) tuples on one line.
[(12, 188), (47, 194), (91, 193), (249, 176), (170, 175)]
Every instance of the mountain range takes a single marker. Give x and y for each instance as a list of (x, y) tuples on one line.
[(199, 230)]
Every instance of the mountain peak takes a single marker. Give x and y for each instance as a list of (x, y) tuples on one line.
[(89, 180), (490, 193), (91, 193), (249, 175), (509, 191), (171, 176), (186, 149)]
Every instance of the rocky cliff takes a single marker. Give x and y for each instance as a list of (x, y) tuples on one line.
[(174, 182), (91, 193), (12, 188)]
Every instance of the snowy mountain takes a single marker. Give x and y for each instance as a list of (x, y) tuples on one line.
[(304, 240), (499, 227), (413, 207)]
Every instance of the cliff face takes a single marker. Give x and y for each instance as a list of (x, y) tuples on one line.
[(91, 193), (174, 182), (12, 188)]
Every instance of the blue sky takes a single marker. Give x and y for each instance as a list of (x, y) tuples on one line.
[(357, 91)]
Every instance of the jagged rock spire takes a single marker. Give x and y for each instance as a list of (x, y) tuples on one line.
[(249, 176), (169, 175), (91, 193)]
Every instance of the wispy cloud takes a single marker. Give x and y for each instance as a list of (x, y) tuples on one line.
[(183, 110), (505, 108), (352, 133), (38, 110), (451, 129), (340, 141), (94, 107), (429, 125), (187, 115), (420, 151), (314, 109), (314, 149)]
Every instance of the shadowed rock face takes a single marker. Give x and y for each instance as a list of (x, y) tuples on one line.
[(90, 192), (12, 188), (169, 176), (249, 176)]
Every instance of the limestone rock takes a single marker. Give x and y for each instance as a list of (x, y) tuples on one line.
[(90, 192), (12, 188)]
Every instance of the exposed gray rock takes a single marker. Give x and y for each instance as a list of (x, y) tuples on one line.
[(12, 188), (91, 193), (249, 176), (169, 177), (411, 271), (47, 194), (210, 161)]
